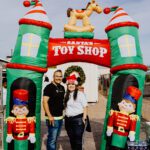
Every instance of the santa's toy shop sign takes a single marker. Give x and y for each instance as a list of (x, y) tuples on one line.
[(78, 50)]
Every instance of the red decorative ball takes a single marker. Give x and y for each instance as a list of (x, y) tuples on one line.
[(26, 3), (107, 10)]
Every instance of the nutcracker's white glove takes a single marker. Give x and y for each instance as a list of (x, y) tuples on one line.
[(9, 138), (109, 131), (32, 138), (131, 136)]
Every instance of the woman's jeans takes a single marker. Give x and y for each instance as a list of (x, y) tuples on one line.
[(53, 133), (75, 128)]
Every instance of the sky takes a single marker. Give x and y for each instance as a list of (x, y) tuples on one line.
[(12, 10)]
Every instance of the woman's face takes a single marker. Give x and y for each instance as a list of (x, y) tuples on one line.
[(71, 87)]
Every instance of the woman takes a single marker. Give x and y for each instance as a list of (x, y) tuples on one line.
[(75, 113)]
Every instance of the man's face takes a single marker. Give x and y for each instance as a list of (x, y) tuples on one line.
[(20, 110), (126, 106), (57, 78)]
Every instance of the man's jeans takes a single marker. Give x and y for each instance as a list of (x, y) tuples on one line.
[(53, 133)]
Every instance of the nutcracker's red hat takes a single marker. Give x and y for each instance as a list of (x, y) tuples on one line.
[(71, 79), (20, 97), (132, 94)]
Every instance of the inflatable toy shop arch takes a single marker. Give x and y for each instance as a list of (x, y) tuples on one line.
[(35, 51)]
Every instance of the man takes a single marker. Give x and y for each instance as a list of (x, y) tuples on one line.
[(53, 105)]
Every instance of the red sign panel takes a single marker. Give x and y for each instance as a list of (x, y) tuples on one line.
[(78, 50)]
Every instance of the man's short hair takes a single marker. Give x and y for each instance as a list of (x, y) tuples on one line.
[(57, 71)]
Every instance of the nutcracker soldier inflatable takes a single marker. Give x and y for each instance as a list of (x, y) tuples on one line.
[(20, 127), (126, 64), (122, 123), (28, 64)]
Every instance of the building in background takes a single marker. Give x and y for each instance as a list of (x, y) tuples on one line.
[(91, 84), (147, 84), (2, 76), (104, 80)]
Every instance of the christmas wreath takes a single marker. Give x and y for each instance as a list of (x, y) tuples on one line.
[(78, 70)]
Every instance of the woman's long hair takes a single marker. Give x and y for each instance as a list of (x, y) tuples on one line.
[(67, 96)]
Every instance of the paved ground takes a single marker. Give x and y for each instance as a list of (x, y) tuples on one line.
[(91, 140)]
